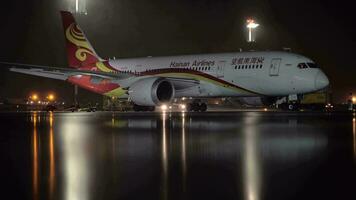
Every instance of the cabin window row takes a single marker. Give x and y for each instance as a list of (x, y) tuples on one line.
[(200, 68), (248, 67)]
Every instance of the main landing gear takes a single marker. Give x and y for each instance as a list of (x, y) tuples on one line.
[(197, 107), (143, 108)]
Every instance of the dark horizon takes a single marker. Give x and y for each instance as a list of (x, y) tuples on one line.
[(32, 33)]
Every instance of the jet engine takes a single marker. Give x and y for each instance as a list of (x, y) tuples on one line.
[(151, 91)]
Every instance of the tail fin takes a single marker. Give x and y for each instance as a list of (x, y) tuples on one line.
[(80, 53)]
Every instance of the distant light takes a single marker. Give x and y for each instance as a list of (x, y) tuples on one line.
[(251, 24), (353, 99), (183, 106), (39, 102), (265, 109), (34, 97), (50, 97)]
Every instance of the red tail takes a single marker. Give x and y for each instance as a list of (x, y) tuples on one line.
[(80, 53)]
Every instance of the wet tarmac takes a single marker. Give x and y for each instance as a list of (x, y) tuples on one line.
[(242, 155)]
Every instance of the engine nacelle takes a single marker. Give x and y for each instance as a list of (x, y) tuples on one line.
[(151, 91)]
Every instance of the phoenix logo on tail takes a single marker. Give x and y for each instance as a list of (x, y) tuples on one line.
[(79, 50)]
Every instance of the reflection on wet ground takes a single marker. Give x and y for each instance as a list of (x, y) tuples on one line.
[(245, 155)]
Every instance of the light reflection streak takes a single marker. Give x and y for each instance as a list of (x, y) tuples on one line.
[(251, 160), (52, 164), (184, 153), (113, 120), (113, 139), (35, 177), (164, 157), (75, 159), (354, 135)]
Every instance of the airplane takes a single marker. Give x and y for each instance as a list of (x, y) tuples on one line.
[(153, 81)]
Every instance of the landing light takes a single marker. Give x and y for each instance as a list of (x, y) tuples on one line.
[(164, 107)]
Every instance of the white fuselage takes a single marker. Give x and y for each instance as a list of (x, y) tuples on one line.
[(234, 74)]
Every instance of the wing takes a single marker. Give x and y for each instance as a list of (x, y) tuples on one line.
[(61, 73), (122, 78)]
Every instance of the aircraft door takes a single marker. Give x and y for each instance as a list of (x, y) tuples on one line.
[(220, 69), (274, 67)]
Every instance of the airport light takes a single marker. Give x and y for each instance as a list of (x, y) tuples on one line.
[(34, 97), (50, 97), (251, 25)]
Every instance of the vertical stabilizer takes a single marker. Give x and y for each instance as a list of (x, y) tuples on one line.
[(80, 53)]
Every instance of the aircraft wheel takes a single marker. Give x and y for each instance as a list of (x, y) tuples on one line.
[(293, 107), (290, 107), (193, 107), (203, 107), (196, 107)]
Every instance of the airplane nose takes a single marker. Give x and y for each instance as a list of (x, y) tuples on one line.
[(321, 81)]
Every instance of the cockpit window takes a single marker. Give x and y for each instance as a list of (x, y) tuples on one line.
[(302, 66), (313, 65)]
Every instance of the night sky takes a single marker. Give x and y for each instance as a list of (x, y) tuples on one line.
[(31, 32)]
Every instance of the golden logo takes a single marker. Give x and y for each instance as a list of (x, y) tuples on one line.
[(76, 37)]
